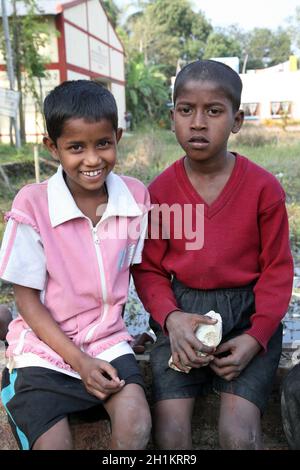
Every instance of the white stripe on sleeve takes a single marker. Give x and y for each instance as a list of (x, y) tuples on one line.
[(23, 258)]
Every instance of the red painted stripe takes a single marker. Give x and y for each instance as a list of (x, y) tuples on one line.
[(91, 74), (61, 47), (79, 2), (66, 6), (93, 36)]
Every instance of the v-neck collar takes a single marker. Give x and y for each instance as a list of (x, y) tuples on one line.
[(231, 186)]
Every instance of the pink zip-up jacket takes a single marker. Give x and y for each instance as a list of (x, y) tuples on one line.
[(84, 280)]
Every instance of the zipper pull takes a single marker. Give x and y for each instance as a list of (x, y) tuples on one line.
[(95, 235)]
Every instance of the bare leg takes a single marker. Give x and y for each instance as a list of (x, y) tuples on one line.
[(5, 319), (130, 418), (239, 423), (56, 438), (172, 423)]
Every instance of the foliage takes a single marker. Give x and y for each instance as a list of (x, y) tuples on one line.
[(293, 29), (266, 48), (147, 92), (112, 11), (29, 34), (168, 30), (221, 44)]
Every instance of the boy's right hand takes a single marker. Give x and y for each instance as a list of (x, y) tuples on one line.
[(181, 327), (99, 377)]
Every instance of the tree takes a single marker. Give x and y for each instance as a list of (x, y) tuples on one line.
[(146, 91), (112, 11), (293, 29), (166, 31), (266, 48), (221, 44), (29, 34)]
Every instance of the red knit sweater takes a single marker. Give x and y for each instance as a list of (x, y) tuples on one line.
[(246, 240)]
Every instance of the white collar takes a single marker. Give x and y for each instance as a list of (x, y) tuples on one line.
[(62, 206)]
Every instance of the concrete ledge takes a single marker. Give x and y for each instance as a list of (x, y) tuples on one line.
[(95, 435)]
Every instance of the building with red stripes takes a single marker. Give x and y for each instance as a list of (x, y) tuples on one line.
[(82, 44)]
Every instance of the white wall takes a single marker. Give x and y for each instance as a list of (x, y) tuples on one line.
[(77, 15), (33, 120), (268, 86), (77, 50), (119, 93)]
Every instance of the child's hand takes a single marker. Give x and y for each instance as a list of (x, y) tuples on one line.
[(99, 377), (241, 351), (184, 344)]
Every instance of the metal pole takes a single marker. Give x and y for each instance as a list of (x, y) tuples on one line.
[(10, 65)]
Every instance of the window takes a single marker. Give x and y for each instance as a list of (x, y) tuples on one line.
[(280, 108), (251, 110)]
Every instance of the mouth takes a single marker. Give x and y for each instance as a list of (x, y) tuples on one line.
[(198, 139), (198, 142), (92, 174)]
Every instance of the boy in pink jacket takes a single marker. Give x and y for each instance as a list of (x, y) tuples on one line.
[(68, 247)]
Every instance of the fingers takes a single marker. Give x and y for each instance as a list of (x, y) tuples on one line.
[(107, 368), (205, 319), (103, 380), (102, 395), (226, 361), (187, 358), (227, 373), (224, 347)]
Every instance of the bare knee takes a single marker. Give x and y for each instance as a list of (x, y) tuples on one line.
[(240, 439), (134, 432), (172, 438), (173, 433), (239, 423)]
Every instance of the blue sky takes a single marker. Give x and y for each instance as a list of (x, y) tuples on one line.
[(248, 14)]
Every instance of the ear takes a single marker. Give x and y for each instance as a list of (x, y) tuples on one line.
[(172, 120), (51, 147), (238, 121), (119, 134)]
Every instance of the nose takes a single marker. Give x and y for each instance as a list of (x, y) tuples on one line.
[(92, 158), (199, 120)]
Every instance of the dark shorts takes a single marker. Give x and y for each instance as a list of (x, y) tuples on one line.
[(235, 306), (36, 398)]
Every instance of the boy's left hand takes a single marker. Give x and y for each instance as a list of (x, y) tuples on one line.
[(241, 351)]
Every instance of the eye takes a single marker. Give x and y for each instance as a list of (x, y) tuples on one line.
[(214, 111), (103, 143), (75, 148), (185, 110)]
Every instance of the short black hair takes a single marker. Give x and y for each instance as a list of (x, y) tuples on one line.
[(78, 99), (214, 71)]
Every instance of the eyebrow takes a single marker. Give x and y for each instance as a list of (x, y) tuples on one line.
[(209, 103), (105, 137)]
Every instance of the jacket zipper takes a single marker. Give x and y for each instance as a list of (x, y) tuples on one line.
[(102, 280)]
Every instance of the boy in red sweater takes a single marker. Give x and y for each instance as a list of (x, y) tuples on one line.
[(232, 256)]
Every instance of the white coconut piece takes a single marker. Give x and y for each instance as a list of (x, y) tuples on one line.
[(209, 335)]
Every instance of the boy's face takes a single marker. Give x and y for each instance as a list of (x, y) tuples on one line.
[(87, 152), (203, 119)]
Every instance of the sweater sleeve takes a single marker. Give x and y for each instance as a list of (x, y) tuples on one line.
[(274, 286), (152, 281)]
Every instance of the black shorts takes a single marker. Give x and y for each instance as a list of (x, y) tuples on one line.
[(235, 305), (36, 398)]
